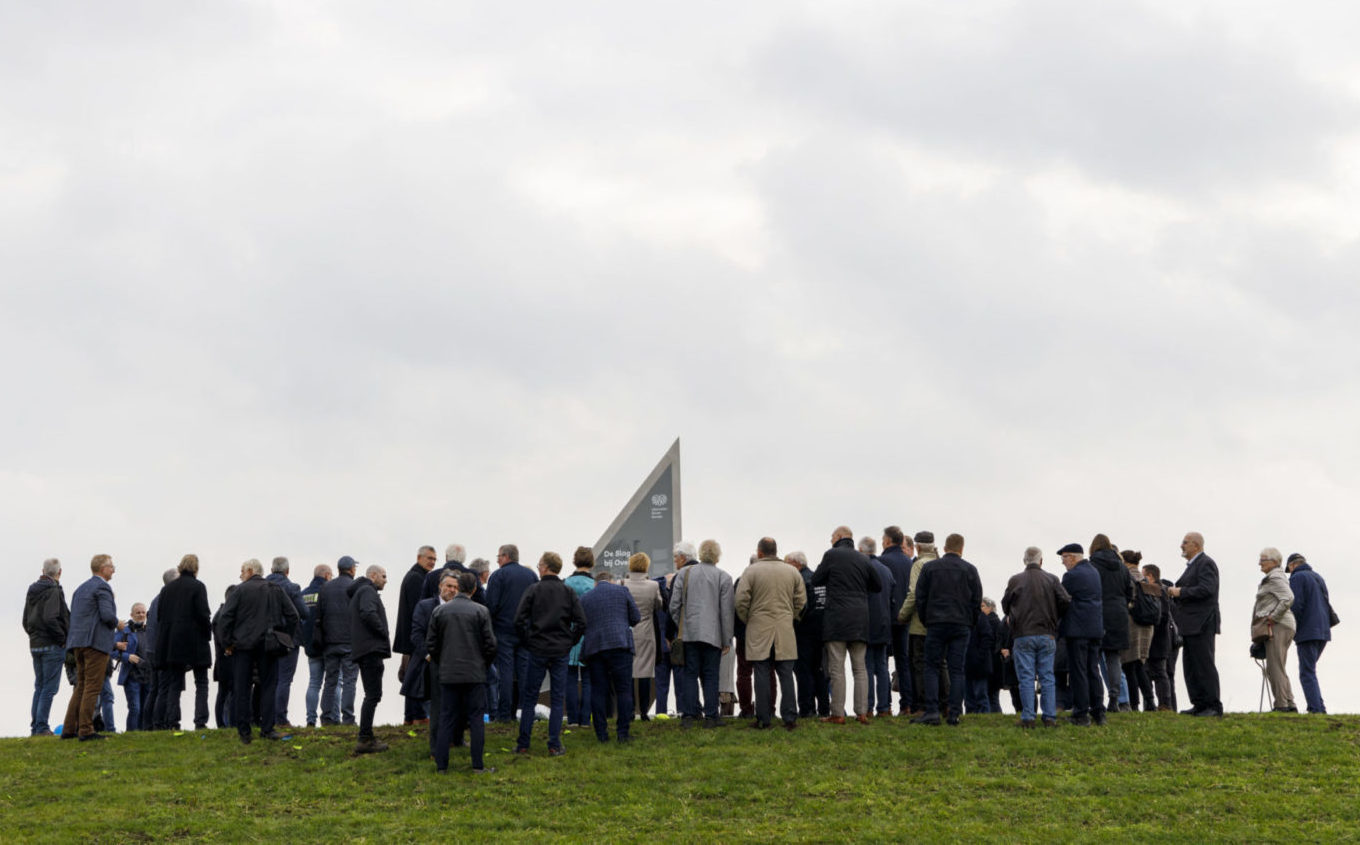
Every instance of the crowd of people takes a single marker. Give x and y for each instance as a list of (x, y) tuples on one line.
[(477, 643)]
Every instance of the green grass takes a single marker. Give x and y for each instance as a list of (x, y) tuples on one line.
[(1146, 777)]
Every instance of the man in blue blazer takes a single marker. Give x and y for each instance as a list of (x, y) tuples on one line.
[(607, 649), (1082, 628), (94, 622), (1195, 610)]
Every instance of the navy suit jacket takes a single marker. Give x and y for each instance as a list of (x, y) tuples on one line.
[(504, 589), (1196, 609), (93, 616), (1084, 617), (611, 614)]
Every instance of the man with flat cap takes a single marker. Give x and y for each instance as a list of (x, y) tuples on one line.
[(1082, 628)]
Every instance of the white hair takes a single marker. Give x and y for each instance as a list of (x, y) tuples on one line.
[(279, 566), (1272, 553), (51, 567), (685, 549), (253, 565), (1034, 556), (455, 551), (798, 556), (868, 546), (169, 575)]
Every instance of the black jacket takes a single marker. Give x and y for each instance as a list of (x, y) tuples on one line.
[(549, 620), (1196, 609), (1116, 591), (977, 660), (332, 626), (849, 579), (255, 607), (311, 598), (183, 624), (407, 598), (900, 566), (809, 628), (46, 616), (880, 605), (949, 592), (460, 641), (367, 621)]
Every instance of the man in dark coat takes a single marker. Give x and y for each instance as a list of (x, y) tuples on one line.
[(977, 663), (410, 594), (548, 622), (370, 645), (607, 650), (461, 647), (879, 644), (421, 680), (1313, 616), (1082, 629), (504, 589), (278, 575), (183, 635), (46, 621), (254, 611), (949, 599), (1116, 591), (331, 634), (94, 617), (849, 578), (898, 556), (810, 669), (311, 645), (1195, 608)]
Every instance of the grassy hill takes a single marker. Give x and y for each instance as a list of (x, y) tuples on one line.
[(1145, 777)]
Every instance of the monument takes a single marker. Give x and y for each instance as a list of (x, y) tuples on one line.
[(650, 522)]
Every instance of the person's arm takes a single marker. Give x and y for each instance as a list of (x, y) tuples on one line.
[(799, 598), (368, 612), (578, 616), (432, 638), (909, 604), (875, 583), (524, 612), (108, 613), (726, 613), (227, 622), (294, 593), (634, 615), (1061, 596), (743, 599), (1284, 598), (488, 639), (1205, 586)]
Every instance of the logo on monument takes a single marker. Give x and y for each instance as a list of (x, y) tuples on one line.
[(659, 500)]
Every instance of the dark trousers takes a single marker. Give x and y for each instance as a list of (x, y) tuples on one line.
[(746, 681), (901, 655), (436, 706), (579, 701), (1171, 674), (287, 670), (1309, 651), (370, 675), (512, 662), (1140, 685), (556, 670), (947, 644), (459, 705), (916, 643), (169, 685), (765, 672), (975, 698), (702, 662), (1114, 670), (90, 666), (667, 676), (225, 682), (1161, 683), (880, 677), (814, 698), (642, 696), (1201, 675), (244, 666), (338, 688), (1083, 675), (200, 697), (611, 670)]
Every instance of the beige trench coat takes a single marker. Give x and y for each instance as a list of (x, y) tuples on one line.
[(769, 597), (647, 596)]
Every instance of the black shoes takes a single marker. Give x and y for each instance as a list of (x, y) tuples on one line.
[(1050, 723), (369, 745), (274, 736), (716, 722), (1082, 721), (89, 737), (556, 752), (1100, 718), (932, 719)]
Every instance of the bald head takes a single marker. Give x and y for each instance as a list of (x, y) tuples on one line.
[(841, 533), (1192, 545)]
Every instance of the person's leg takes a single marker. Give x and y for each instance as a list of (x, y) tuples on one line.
[(47, 666), (538, 667), (600, 684), (1144, 683), (689, 690), (330, 704), (788, 697), (1309, 652), (663, 685), (242, 671), (802, 672), (448, 708), (744, 683), (493, 690), (132, 691), (200, 697), (955, 652), (764, 707), (349, 688), (436, 711), (1112, 674), (371, 671), (316, 668), (1211, 678), (860, 671), (106, 705), (931, 654), (916, 645), (835, 668), (1077, 676), (1025, 653), (522, 671), (621, 671), (821, 682), (94, 663), (1160, 683), (557, 693), (287, 668), (1192, 664), (71, 723), (573, 709), (476, 710), (902, 663), (642, 698), (711, 666), (1130, 676)]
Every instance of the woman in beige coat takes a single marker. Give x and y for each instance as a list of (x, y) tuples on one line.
[(647, 596), (1272, 614)]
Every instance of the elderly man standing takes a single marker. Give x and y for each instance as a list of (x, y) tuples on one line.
[(311, 645), (461, 646), (770, 596), (247, 628), (916, 630), (183, 635), (1195, 608), (278, 574), (1082, 628), (411, 588), (549, 621), (331, 634), (607, 651), (370, 645), (504, 589), (810, 668), (702, 604), (898, 556), (949, 599), (849, 578), (46, 621), (1313, 614), (94, 619), (1034, 603)]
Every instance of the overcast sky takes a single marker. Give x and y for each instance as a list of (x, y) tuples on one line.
[(319, 279)]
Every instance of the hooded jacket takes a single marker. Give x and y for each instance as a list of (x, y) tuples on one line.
[(332, 626), (368, 633), (1116, 591), (46, 616)]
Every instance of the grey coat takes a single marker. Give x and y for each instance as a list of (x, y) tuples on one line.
[(702, 601)]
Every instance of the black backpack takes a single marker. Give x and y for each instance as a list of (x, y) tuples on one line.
[(1145, 608)]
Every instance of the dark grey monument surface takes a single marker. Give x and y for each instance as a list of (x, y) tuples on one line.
[(650, 522)]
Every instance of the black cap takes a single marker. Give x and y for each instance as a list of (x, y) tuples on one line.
[(923, 537), (1296, 556), (1071, 549)]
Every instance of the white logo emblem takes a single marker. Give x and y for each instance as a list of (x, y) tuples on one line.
[(659, 500)]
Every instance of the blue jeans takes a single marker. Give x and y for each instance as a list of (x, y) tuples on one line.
[(1033, 656), (1309, 652), (47, 665), (702, 662), (512, 662), (880, 678), (316, 666), (611, 670), (132, 691), (341, 670), (1122, 697), (578, 695), (106, 705), (976, 699), (493, 690), (950, 643), (556, 670)]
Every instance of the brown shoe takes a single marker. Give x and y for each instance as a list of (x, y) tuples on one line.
[(832, 720), (862, 719)]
